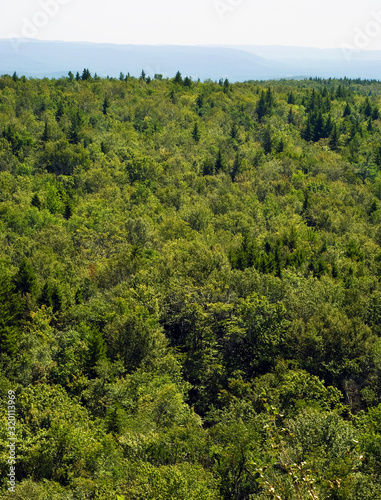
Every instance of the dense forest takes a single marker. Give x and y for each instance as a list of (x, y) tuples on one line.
[(190, 288)]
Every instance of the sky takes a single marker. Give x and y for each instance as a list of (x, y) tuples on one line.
[(310, 23)]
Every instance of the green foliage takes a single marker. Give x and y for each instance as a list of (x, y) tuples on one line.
[(9, 313), (25, 279), (190, 300)]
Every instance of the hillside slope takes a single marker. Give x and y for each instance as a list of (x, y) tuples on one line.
[(190, 288)]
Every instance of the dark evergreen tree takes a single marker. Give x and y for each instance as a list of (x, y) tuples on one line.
[(270, 100), (57, 298), (219, 165), (236, 167), (328, 127), (86, 75), (96, 351), (340, 92), (234, 131), (347, 110), (261, 108), (187, 82), (68, 210), (60, 111), (178, 78), (291, 117), (46, 133), (290, 98), (375, 113), (106, 105), (25, 280), (226, 86), (46, 295), (318, 128), (280, 146), (334, 139), (377, 156), (208, 167), (267, 142), (367, 108), (196, 132), (77, 122), (36, 202), (51, 296)]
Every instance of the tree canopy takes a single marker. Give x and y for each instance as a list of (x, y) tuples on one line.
[(190, 296)]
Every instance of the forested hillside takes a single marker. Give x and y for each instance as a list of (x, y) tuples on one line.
[(190, 288)]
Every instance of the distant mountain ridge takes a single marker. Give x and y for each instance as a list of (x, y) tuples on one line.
[(34, 58)]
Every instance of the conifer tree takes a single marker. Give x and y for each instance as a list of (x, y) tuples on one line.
[(280, 146), (60, 111), (97, 350), (236, 167), (46, 295), (270, 100), (290, 98), (51, 296), (367, 108), (106, 105), (334, 138), (36, 202), (234, 131), (377, 156), (86, 75), (68, 210), (196, 133), (57, 298), (178, 78), (187, 82), (219, 162), (208, 167), (318, 129), (308, 132), (347, 110), (375, 113), (290, 118), (267, 142), (261, 106), (77, 122), (25, 280), (46, 134)]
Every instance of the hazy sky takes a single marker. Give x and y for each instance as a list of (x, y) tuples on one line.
[(317, 23)]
